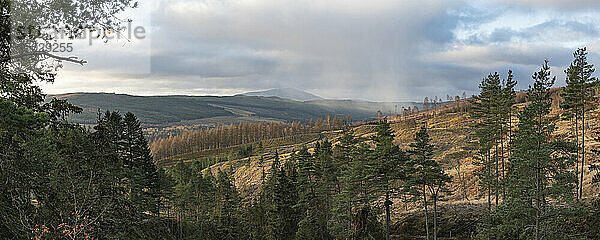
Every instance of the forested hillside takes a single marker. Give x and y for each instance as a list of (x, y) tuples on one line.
[(501, 164), (162, 111), (505, 163), (188, 145)]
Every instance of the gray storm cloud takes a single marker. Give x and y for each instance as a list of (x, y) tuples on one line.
[(376, 50)]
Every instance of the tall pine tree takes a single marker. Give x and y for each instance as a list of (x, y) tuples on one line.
[(426, 177), (578, 98), (539, 182), (388, 162)]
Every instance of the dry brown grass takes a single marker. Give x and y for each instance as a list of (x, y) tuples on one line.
[(450, 135)]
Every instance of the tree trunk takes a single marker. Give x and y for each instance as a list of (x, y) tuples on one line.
[(461, 181), (435, 217), (426, 213), (489, 176), (577, 154), (387, 216), (502, 159), (582, 151), (508, 145), (538, 183), (538, 207), (497, 177)]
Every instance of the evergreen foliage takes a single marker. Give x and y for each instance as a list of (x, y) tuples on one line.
[(492, 110), (578, 98), (426, 177), (540, 185), (228, 226), (387, 161), (66, 181)]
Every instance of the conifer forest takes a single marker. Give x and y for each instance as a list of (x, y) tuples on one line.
[(513, 154)]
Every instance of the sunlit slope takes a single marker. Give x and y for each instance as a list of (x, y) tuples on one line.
[(454, 149)]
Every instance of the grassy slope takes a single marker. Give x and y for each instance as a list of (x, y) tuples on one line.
[(365, 106), (450, 134)]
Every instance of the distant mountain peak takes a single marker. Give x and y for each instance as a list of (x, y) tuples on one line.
[(288, 93)]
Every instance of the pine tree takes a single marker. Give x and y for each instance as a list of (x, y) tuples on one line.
[(353, 216), (26, 155), (387, 161), (578, 97), (596, 168), (538, 173), (491, 110), (506, 124), (426, 176), (59, 180)]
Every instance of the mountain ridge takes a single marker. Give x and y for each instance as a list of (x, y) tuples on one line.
[(287, 93), (180, 109)]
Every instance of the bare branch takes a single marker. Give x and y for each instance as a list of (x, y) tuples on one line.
[(72, 59)]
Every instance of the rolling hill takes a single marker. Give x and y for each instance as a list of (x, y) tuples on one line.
[(287, 93), (163, 111)]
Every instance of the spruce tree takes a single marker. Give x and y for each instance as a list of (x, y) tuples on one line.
[(194, 199), (145, 192), (228, 226), (109, 137), (329, 173), (256, 218), (312, 197), (283, 213)]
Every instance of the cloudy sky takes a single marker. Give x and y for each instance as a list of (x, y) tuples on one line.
[(374, 50)]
